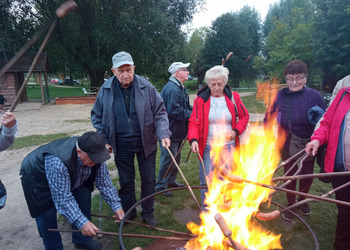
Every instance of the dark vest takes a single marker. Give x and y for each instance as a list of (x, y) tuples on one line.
[(35, 185)]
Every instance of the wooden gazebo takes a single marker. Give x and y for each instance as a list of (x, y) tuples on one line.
[(12, 80)]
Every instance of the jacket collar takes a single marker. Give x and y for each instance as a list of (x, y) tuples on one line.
[(174, 80), (204, 93)]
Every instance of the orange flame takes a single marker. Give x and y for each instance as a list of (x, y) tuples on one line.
[(239, 202)]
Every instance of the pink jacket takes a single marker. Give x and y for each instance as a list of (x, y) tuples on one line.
[(328, 132)]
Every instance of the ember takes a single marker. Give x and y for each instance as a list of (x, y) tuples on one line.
[(237, 201)]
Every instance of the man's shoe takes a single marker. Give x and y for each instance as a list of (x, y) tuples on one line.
[(175, 184), (92, 245), (305, 209), (149, 220), (168, 194), (288, 216)]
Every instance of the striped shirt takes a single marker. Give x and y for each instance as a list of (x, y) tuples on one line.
[(60, 185)]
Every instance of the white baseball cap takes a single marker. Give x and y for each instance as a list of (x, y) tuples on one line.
[(175, 66)]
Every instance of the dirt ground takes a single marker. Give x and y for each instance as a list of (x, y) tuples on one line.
[(18, 230)]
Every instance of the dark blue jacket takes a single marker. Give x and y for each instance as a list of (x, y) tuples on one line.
[(176, 101), (299, 103)]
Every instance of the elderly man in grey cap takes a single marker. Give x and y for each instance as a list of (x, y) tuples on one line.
[(176, 101), (130, 114)]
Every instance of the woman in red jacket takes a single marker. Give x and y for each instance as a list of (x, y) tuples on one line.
[(335, 131), (214, 116)]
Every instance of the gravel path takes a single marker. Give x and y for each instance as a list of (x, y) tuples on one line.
[(18, 230)]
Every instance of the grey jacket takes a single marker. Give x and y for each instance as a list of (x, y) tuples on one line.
[(151, 113)]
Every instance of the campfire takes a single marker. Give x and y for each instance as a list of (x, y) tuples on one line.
[(235, 201)]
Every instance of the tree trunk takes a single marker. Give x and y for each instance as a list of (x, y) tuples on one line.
[(96, 78)]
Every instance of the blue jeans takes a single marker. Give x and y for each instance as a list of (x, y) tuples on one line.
[(48, 219), (165, 161), (124, 160), (209, 167)]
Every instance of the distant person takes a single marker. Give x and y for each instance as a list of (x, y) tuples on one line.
[(59, 177), (176, 101), (335, 132), (292, 105), (131, 116), (2, 102), (8, 130), (214, 116)]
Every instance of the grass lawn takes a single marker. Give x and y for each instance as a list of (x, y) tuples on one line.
[(294, 236)]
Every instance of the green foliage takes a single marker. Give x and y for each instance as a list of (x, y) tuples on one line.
[(237, 33), (150, 31), (290, 37), (332, 41)]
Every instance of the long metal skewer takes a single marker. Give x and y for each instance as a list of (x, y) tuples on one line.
[(183, 177)]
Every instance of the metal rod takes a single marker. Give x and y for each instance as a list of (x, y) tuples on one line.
[(237, 179), (125, 235), (145, 225), (177, 155), (274, 214), (184, 178), (309, 176), (188, 155)]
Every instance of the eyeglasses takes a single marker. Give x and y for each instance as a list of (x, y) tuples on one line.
[(296, 79)]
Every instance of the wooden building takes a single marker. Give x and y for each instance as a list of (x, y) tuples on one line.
[(13, 78)]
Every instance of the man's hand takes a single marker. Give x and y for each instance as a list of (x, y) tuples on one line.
[(312, 147), (89, 229), (8, 119), (109, 148), (194, 147), (166, 142), (118, 215)]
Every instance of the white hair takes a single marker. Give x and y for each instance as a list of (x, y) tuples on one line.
[(217, 72)]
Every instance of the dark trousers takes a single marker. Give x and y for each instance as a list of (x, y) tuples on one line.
[(165, 162), (304, 185), (48, 219), (124, 159), (342, 232)]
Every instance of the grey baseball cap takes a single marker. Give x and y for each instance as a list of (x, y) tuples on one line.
[(122, 58), (176, 66)]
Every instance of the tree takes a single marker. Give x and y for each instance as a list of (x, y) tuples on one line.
[(290, 26), (89, 36), (16, 24), (237, 32), (332, 40)]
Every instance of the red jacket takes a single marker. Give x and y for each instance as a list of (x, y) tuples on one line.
[(199, 121), (329, 130)]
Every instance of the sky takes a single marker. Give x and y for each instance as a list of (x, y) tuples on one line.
[(215, 8)]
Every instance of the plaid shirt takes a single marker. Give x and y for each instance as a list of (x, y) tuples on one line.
[(59, 181)]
